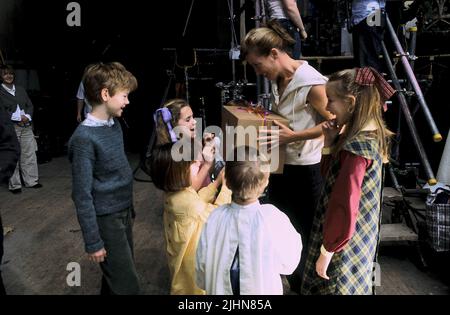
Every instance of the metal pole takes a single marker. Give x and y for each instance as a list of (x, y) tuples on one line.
[(409, 119), (393, 177), (266, 83), (412, 46), (409, 72), (412, 52), (398, 137), (258, 24), (188, 18), (242, 28), (186, 79), (243, 31), (412, 57), (233, 43)]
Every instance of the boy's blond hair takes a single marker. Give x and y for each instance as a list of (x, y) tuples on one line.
[(112, 76), (246, 173)]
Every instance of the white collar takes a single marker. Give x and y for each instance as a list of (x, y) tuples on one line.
[(92, 121), (10, 90), (246, 207)]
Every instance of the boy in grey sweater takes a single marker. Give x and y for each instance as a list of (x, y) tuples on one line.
[(102, 187)]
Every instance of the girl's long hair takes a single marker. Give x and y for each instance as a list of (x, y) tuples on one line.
[(367, 107), (162, 133), (167, 174)]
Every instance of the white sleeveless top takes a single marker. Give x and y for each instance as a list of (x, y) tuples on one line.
[(293, 106), (275, 9)]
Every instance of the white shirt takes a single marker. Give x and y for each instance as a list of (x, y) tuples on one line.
[(276, 10), (268, 246), (293, 105), (361, 9), (17, 115), (11, 91), (92, 121)]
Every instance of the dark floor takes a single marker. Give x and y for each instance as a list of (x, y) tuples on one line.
[(47, 237)]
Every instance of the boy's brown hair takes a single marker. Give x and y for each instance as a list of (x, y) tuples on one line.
[(5, 69), (112, 76), (167, 174), (245, 173)]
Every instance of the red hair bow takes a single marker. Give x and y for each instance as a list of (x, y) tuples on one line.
[(368, 76)]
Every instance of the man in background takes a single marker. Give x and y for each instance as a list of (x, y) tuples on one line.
[(367, 23), (287, 13)]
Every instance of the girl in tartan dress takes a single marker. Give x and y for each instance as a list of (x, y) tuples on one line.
[(344, 238)]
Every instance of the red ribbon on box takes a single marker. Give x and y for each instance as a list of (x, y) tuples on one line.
[(257, 110)]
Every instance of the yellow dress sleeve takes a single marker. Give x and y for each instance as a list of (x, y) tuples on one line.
[(202, 209), (208, 193)]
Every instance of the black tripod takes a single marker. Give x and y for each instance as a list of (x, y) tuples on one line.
[(171, 75), (143, 162)]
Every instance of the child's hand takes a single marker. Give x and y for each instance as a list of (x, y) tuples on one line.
[(322, 265), (274, 138), (208, 139), (209, 153), (221, 176), (220, 179), (303, 34), (24, 119), (98, 256), (330, 131)]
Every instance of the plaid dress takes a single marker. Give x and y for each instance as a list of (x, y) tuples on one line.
[(350, 270)]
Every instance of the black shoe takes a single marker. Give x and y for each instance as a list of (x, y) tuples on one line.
[(16, 191), (38, 185)]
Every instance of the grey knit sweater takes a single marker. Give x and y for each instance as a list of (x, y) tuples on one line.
[(102, 180)]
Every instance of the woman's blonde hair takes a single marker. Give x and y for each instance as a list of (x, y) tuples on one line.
[(162, 131), (261, 40), (367, 107)]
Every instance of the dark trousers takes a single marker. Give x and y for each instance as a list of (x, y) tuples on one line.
[(296, 49), (2, 287), (296, 192), (367, 45), (119, 271)]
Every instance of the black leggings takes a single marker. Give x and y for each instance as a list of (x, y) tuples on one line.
[(296, 192)]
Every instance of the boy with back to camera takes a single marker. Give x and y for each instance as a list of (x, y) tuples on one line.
[(245, 246)]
